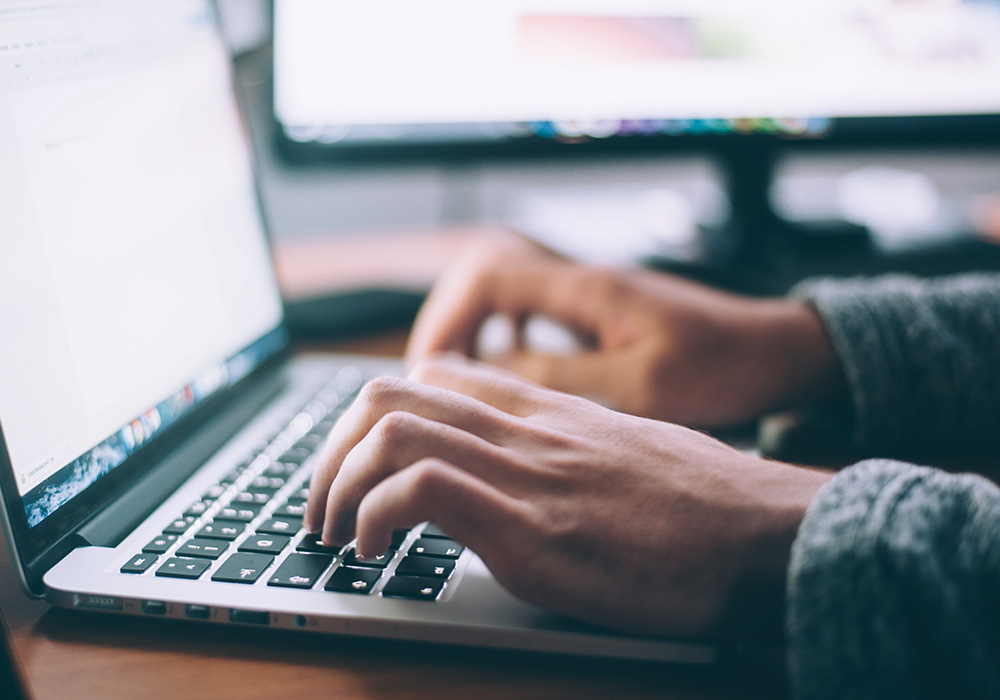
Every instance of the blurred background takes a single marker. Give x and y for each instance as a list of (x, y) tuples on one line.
[(901, 189)]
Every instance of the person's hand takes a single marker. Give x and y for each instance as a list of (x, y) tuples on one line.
[(656, 345), (623, 521)]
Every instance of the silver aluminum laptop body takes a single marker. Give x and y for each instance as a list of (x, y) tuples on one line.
[(134, 376)]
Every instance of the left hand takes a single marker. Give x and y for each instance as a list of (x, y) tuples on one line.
[(623, 521)]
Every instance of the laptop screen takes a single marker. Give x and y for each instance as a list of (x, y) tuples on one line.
[(135, 279)]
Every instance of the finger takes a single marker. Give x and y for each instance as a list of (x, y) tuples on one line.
[(497, 387), (397, 441), (453, 314), (466, 507), (582, 374), (384, 395)]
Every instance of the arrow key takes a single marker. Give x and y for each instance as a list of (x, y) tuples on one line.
[(300, 570)]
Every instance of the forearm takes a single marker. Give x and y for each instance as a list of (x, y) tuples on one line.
[(920, 358), (892, 587)]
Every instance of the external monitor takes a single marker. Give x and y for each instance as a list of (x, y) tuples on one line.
[(466, 78)]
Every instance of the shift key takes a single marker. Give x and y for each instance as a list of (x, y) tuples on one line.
[(243, 567)]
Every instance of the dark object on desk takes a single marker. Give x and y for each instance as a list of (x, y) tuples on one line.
[(12, 684), (351, 313)]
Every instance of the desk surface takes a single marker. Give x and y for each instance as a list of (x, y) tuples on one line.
[(89, 655)]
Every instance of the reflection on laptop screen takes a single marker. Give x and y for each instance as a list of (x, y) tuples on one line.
[(134, 274)]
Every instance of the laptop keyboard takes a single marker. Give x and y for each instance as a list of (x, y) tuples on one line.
[(248, 527)]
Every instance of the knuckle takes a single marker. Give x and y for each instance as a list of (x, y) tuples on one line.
[(427, 478), (381, 392), (394, 428)]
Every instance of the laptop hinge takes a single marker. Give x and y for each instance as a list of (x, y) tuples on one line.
[(129, 508)]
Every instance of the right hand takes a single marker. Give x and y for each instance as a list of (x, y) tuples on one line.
[(630, 523), (656, 345)]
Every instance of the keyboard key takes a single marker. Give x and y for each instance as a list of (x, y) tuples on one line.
[(243, 513), (266, 483), (313, 542), (413, 587), (293, 509), (398, 537), (380, 561), (222, 530), (300, 570), (198, 508), (183, 568), (348, 580), (159, 545), (432, 530), (431, 567), (265, 544), (202, 548), (296, 455), (280, 470), (433, 547), (246, 499), (214, 492), (242, 567), (310, 443), (138, 564), (280, 526), (179, 526)]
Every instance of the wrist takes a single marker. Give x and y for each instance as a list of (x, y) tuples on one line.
[(784, 494), (798, 359)]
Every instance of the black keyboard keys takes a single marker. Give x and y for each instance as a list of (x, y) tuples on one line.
[(300, 570), (313, 542), (280, 526), (138, 564), (294, 508), (379, 561), (222, 530), (265, 544), (413, 587), (202, 548), (183, 568), (198, 508), (348, 580), (241, 513), (431, 567), (432, 530), (434, 547), (242, 567), (159, 545), (179, 526)]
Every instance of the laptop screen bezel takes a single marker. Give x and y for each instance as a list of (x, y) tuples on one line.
[(35, 549)]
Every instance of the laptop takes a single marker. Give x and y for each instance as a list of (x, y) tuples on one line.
[(156, 433)]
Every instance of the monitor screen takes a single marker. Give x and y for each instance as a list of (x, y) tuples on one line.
[(135, 279), (579, 70)]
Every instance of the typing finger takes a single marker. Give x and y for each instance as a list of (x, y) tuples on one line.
[(385, 395), (397, 441), (452, 317), (466, 507), (500, 388)]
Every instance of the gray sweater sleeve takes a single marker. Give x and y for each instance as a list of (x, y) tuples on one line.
[(894, 587), (922, 358)]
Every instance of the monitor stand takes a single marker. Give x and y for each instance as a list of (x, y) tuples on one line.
[(757, 251)]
